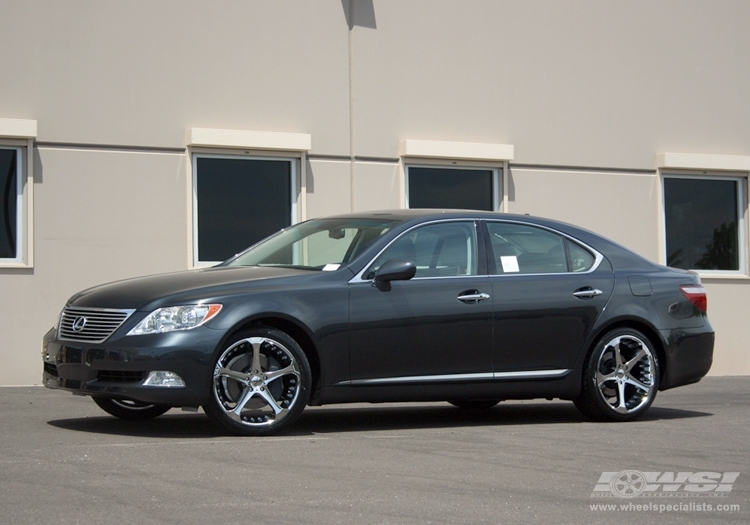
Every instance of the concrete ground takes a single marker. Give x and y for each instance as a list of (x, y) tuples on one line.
[(63, 460)]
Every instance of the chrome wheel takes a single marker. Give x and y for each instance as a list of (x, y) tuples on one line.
[(129, 409), (260, 383), (625, 374), (621, 379)]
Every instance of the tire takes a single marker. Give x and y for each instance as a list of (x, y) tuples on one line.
[(261, 383), (474, 404), (621, 377), (130, 410)]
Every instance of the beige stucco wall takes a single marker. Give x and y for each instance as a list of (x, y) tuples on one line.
[(587, 93), (619, 205), (100, 216)]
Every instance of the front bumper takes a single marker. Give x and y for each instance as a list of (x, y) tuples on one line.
[(118, 367)]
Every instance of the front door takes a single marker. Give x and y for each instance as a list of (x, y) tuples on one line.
[(435, 327)]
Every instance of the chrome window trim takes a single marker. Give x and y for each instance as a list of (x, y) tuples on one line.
[(598, 257), (359, 277), (485, 376)]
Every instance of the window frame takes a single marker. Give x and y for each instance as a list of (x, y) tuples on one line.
[(479, 241), (498, 175), (196, 153), (24, 203), (741, 180)]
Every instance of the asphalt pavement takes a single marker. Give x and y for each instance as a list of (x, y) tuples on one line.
[(63, 460)]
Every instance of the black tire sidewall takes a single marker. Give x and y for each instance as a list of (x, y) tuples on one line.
[(111, 407)]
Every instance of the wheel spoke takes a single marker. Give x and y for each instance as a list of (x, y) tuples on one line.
[(616, 350), (291, 369), (621, 398), (265, 394), (601, 378), (237, 376), (636, 383), (257, 369), (246, 396), (638, 356)]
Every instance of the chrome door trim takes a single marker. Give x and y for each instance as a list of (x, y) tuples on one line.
[(452, 378)]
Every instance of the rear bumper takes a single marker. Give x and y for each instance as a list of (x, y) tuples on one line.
[(118, 367), (689, 354)]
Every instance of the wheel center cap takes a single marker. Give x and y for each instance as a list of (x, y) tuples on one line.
[(620, 373), (256, 381)]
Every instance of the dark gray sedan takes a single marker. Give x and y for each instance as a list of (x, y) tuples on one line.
[(471, 308)]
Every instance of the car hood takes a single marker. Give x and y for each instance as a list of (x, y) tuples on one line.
[(173, 289)]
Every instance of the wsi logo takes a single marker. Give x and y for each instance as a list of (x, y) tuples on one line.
[(632, 483)]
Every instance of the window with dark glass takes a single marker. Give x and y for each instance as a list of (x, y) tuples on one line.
[(9, 186), (239, 202), (454, 188), (445, 249), (702, 223), (524, 249)]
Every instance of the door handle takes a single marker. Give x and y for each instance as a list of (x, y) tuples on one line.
[(473, 296), (587, 293)]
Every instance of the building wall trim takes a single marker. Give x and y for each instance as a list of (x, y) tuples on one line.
[(455, 150), (698, 161)]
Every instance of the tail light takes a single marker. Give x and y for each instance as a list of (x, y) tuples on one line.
[(696, 294)]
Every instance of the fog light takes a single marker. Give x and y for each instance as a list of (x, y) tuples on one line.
[(163, 378)]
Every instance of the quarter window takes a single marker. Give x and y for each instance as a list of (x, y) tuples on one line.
[(238, 202), (457, 188), (702, 223), (10, 204), (524, 249)]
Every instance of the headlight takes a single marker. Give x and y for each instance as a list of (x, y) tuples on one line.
[(176, 318)]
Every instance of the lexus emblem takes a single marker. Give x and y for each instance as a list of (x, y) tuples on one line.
[(79, 324)]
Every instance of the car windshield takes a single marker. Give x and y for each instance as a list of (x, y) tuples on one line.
[(319, 244)]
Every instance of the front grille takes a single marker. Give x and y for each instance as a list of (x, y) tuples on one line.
[(90, 325), (119, 376)]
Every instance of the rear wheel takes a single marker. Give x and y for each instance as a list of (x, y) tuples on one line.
[(130, 410), (261, 383), (621, 377), (474, 404)]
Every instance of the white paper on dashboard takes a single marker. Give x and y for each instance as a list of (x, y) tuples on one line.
[(334, 267)]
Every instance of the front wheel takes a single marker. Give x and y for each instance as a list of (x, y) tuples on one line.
[(130, 410), (621, 377), (261, 383)]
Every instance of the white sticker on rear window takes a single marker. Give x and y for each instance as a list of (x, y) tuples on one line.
[(510, 263)]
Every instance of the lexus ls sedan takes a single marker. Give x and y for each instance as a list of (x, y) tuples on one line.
[(466, 307)]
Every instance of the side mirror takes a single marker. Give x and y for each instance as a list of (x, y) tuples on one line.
[(394, 270)]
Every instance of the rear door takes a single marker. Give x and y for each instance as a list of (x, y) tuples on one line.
[(548, 291)]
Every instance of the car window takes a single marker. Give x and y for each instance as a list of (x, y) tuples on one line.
[(445, 249), (524, 249), (323, 244), (581, 260)]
